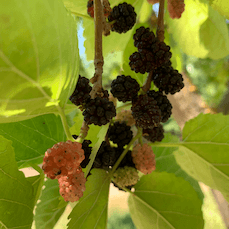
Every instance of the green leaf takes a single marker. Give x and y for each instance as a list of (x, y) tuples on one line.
[(166, 162), (78, 7), (31, 138), (37, 183), (16, 193), (47, 211), (145, 12), (164, 201), (222, 6), (204, 151), (191, 32), (120, 39), (38, 61), (101, 137), (91, 210)]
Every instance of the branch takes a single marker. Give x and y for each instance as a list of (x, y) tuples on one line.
[(147, 84), (160, 25), (83, 132), (98, 61)]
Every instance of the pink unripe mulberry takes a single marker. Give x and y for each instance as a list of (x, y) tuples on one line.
[(175, 8), (144, 158), (62, 159), (72, 186)]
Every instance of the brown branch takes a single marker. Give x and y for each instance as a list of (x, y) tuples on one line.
[(98, 61), (160, 23), (147, 83), (83, 132)]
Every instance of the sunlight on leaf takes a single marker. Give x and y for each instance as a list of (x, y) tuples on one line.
[(38, 61), (201, 31), (222, 6)]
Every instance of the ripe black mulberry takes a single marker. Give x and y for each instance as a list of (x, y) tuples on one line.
[(163, 103), (123, 16), (168, 80), (124, 88), (146, 112), (99, 111), (120, 133)]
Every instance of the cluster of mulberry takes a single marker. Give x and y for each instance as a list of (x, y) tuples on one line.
[(65, 160), (62, 162), (153, 108), (153, 55), (98, 111)]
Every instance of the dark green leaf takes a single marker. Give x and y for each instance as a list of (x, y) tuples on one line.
[(16, 193), (48, 211), (31, 138)]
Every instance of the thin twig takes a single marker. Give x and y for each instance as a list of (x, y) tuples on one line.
[(160, 24), (147, 84), (98, 61), (83, 132)]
